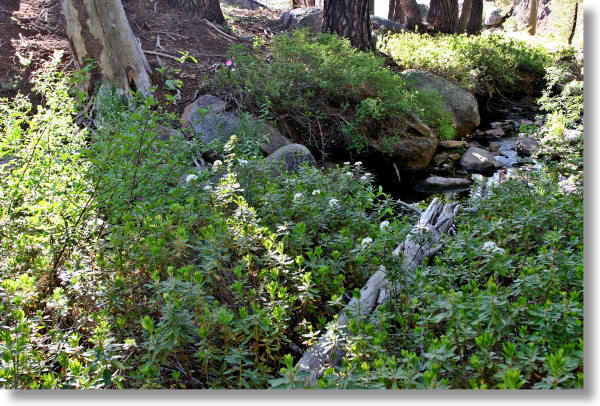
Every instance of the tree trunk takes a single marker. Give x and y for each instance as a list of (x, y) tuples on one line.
[(395, 11), (465, 14), (412, 13), (303, 3), (476, 18), (533, 17), (371, 7), (443, 15), (350, 19), (100, 30), (573, 25), (208, 9)]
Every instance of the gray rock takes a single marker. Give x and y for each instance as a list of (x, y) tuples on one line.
[(572, 136), (290, 157), (494, 146), (493, 16), (496, 132), (245, 4), (274, 139), (440, 158), (461, 104), (480, 161), (214, 126), (166, 134), (384, 26), (311, 17), (526, 146)]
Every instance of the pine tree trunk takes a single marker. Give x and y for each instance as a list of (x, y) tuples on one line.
[(100, 30), (350, 19), (533, 17), (476, 18), (395, 11), (443, 15), (371, 7), (208, 9), (465, 14), (573, 25), (412, 13)]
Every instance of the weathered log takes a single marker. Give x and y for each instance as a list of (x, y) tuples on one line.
[(422, 242)]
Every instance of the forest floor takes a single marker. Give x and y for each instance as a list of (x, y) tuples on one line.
[(31, 30)]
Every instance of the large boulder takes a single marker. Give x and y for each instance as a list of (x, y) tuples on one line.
[(311, 17), (480, 161), (409, 153), (213, 125), (384, 26), (493, 16), (461, 104), (290, 157)]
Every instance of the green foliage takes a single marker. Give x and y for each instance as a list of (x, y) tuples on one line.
[(480, 63), (501, 308), (329, 94)]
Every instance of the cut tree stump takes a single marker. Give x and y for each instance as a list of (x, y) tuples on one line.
[(422, 243)]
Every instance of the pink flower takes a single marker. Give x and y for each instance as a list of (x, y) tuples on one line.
[(229, 62)]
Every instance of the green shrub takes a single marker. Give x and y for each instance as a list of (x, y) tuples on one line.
[(483, 64), (325, 93)]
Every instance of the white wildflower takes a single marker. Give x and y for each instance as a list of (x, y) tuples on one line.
[(208, 188), (384, 225), (190, 178), (316, 192), (491, 246), (217, 164), (364, 178), (242, 161), (346, 163), (365, 242), (357, 163), (333, 202), (349, 174), (297, 196)]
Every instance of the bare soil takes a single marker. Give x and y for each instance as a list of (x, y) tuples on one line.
[(31, 30)]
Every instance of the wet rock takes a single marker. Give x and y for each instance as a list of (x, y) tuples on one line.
[(290, 157), (439, 184), (496, 132), (455, 157), (311, 17), (494, 146), (451, 144), (480, 161), (440, 158), (526, 146), (475, 144), (461, 104)]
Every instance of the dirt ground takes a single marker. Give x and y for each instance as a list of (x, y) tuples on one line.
[(30, 31)]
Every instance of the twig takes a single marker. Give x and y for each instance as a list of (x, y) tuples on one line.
[(176, 58)]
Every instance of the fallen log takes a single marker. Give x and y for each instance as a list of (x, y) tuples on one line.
[(421, 243)]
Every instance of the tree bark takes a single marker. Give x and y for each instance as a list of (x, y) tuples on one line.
[(371, 7), (476, 18), (98, 29), (208, 9), (465, 14), (350, 19), (573, 25), (443, 15), (412, 13), (533, 16), (303, 3), (395, 11)]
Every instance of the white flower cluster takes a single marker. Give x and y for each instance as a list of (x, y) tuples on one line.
[(333, 202), (366, 242), (190, 178), (384, 226)]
